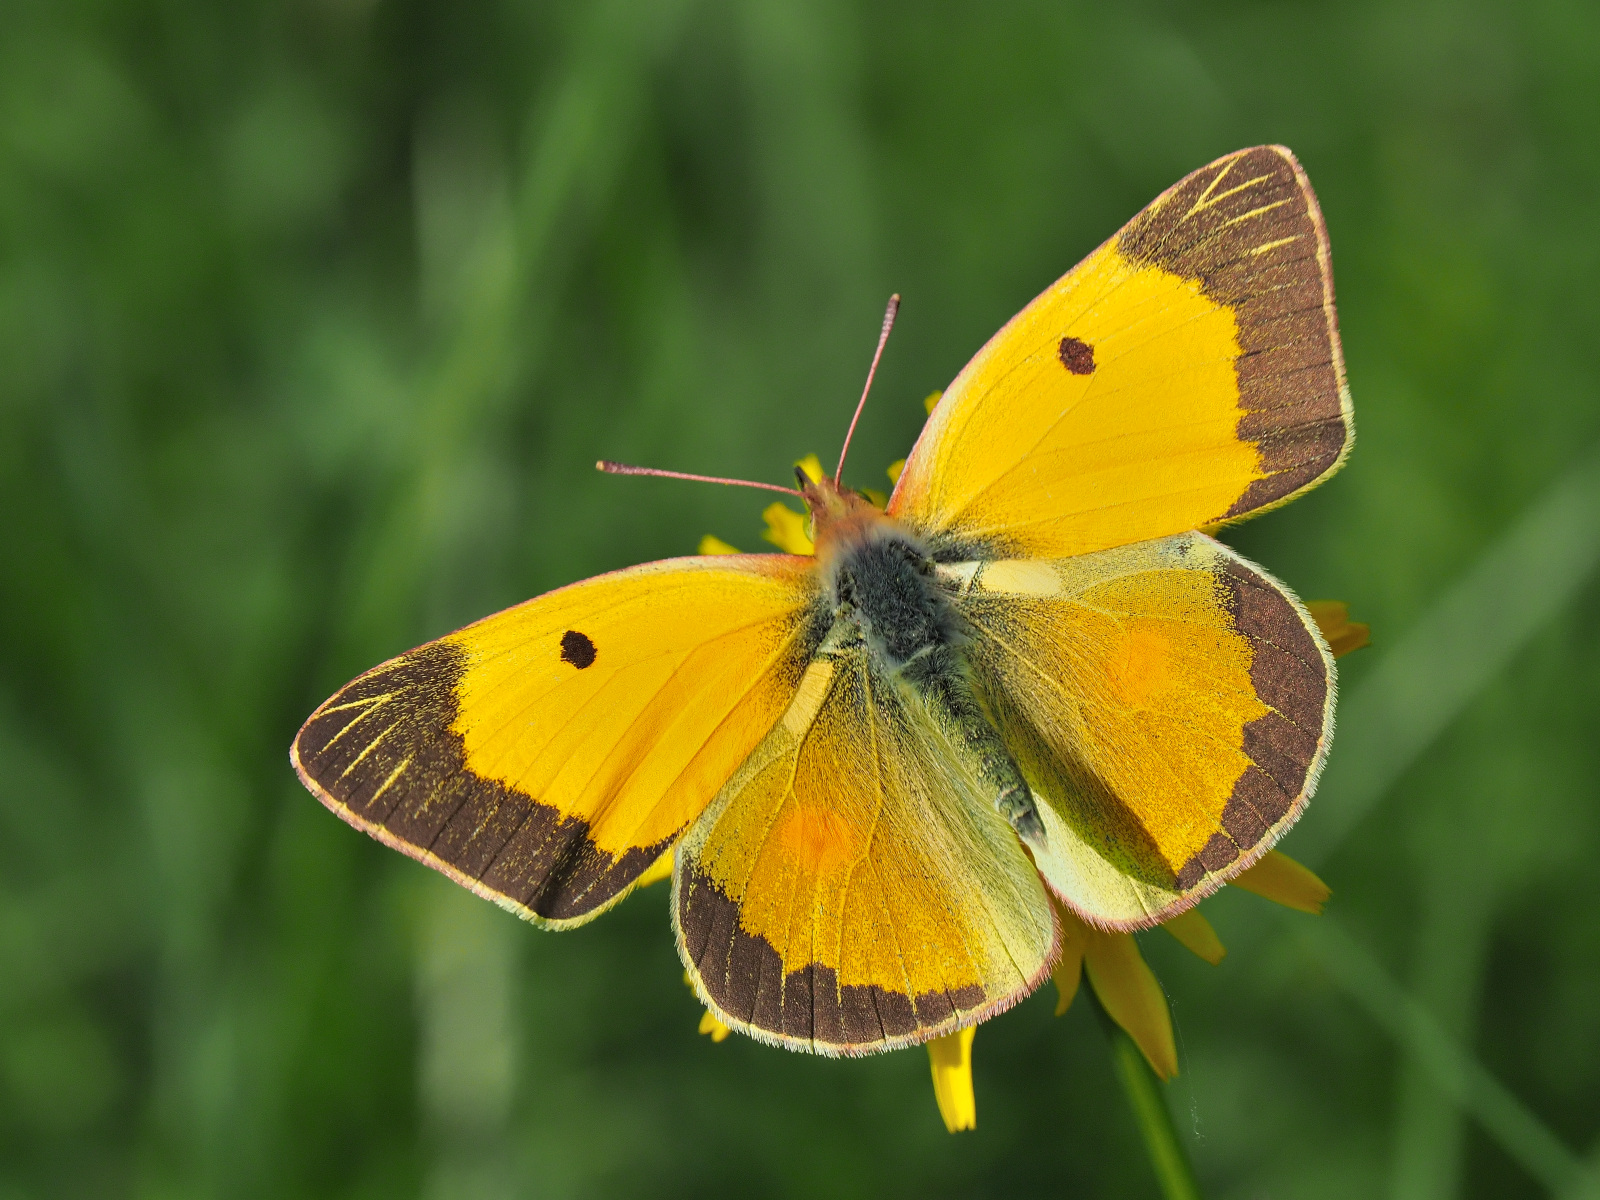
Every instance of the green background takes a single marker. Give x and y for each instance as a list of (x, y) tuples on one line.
[(313, 318)]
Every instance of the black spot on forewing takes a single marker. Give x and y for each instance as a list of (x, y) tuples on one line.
[(1076, 356), (577, 649)]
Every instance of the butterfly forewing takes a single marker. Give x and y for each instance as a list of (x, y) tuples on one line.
[(1186, 373), (545, 756)]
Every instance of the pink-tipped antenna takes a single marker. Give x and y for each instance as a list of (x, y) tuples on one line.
[(616, 468), (883, 337)]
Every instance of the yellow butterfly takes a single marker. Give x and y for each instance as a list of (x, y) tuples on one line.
[(1032, 674)]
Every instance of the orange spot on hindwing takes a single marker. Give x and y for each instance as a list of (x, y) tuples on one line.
[(1141, 666), (815, 840)]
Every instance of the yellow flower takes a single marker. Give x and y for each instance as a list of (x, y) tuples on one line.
[(950, 1059), (1123, 982), (710, 1025), (715, 545), (1125, 985), (786, 529), (1195, 934), (1279, 878), (1343, 634)]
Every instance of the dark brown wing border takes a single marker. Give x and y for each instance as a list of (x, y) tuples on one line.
[(1248, 228), (382, 756)]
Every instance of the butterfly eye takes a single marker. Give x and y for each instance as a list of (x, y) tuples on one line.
[(1076, 356), (577, 649)]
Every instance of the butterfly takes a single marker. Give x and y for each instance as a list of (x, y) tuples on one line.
[(1033, 679)]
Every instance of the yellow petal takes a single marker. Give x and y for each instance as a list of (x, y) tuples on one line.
[(1343, 634), (1328, 614), (786, 529), (812, 466), (710, 1024), (1196, 934), (1353, 636), (930, 400), (1069, 971), (876, 498), (950, 1058), (895, 468), (1282, 880), (715, 545), (1129, 991), (658, 870)]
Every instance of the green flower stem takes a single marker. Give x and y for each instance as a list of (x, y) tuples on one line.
[(1168, 1159)]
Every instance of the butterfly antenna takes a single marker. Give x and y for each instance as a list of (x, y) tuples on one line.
[(883, 337), (616, 468)]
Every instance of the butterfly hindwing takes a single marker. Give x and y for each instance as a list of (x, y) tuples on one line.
[(1186, 373), (545, 756), (853, 889), (1170, 705)]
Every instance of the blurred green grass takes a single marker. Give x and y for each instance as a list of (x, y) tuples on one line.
[(314, 317)]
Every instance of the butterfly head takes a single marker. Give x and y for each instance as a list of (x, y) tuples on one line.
[(839, 515)]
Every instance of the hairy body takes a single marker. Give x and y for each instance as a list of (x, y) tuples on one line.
[(890, 601)]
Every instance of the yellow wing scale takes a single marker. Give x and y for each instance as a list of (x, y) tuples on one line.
[(690, 668)]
